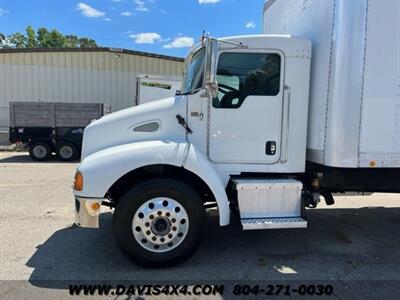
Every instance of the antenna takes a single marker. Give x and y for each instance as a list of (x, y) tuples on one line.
[(203, 37)]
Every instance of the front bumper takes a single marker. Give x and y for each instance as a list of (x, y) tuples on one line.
[(86, 211)]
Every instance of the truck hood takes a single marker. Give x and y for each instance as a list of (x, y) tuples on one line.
[(151, 121)]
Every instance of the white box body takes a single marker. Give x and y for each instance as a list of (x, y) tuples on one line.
[(268, 198), (354, 109)]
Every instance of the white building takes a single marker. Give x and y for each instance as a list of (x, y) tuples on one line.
[(77, 75)]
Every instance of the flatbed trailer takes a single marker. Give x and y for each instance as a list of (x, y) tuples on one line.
[(47, 127)]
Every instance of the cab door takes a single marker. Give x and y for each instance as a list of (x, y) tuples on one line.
[(246, 117)]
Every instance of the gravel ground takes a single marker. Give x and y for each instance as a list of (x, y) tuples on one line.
[(354, 244)]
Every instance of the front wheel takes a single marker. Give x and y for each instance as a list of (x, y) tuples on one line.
[(159, 222)]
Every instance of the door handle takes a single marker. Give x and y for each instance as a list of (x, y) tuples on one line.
[(270, 148)]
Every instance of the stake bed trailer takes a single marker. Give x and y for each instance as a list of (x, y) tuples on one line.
[(264, 125), (48, 127)]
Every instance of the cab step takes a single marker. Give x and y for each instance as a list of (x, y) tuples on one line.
[(273, 223), (270, 203)]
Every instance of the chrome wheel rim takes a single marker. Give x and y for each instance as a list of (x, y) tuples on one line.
[(66, 152), (40, 151), (160, 224)]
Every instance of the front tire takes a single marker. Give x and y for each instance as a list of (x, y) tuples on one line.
[(159, 222)]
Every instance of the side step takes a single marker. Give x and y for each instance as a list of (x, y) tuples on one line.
[(273, 223)]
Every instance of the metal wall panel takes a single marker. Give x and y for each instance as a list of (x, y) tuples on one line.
[(73, 76)]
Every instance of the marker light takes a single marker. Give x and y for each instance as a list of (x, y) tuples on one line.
[(95, 206), (78, 182)]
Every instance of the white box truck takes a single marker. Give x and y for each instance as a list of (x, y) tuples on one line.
[(264, 125)]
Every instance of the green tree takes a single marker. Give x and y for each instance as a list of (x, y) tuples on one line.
[(87, 43), (4, 42), (18, 40), (43, 38), (57, 40), (71, 41), (31, 41)]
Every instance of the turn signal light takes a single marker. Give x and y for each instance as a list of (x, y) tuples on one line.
[(95, 206), (78, 182)]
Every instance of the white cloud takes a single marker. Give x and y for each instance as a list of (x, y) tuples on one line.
[(250, 24), (107, 19), (126, 14), (88, 11), (180, 42), (208, 1), (3, 12), (140, 5), (146, 37)]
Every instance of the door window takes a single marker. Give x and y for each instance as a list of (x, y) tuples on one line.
[(243, 74)]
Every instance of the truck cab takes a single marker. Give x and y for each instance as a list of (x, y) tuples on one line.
[(233, 137)]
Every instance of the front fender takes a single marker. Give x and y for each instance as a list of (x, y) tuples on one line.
[(101, 169), (199, 165)]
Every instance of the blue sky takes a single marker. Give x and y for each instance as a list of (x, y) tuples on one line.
[(159, 26)]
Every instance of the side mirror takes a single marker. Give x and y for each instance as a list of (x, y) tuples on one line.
[(211, 66)]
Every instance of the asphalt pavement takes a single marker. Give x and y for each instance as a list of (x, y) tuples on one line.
[(354, 245)]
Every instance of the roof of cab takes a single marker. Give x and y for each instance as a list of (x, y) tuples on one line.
[(288, 44)]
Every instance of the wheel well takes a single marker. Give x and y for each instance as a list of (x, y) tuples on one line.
[(160, 171)]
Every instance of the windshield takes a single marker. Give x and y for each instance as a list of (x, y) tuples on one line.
[(194, 72)]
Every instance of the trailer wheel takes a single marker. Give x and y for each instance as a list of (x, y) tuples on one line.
[(67, 151), (159, 222), (40, 151)]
